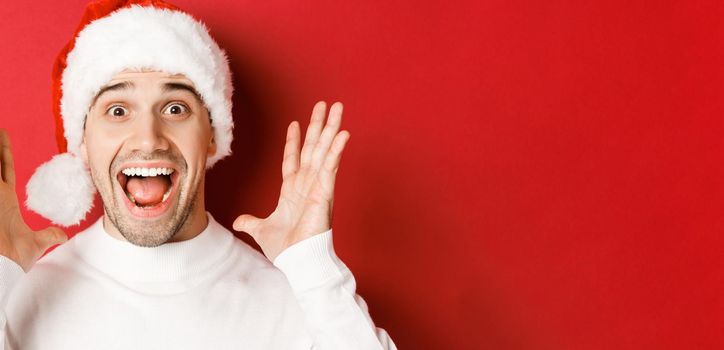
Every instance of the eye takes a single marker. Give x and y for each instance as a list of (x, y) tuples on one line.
[(117, 111), (175, 108)]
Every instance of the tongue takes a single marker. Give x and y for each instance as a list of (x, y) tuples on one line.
[(147, 190)]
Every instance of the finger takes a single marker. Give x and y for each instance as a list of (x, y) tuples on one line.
[(246, 223), (331, 162), (49, 237), (290, 163), (7, 167), (330, 131), (313, 131)]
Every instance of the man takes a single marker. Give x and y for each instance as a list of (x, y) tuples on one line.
[(143, 99)]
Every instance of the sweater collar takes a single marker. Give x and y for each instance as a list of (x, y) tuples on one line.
[(167, 263)]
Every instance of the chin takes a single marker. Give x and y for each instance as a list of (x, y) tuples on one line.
[(155, 231)]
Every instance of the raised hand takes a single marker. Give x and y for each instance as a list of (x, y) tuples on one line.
[(306, 198), (17, 241)]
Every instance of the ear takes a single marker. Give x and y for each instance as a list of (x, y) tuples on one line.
[(84, 151), (212, 144), (83, 147)]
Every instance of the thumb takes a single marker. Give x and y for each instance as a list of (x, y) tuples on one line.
[(247, 223), (50, 236)]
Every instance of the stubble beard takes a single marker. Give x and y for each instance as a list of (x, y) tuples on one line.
[(148, 233)]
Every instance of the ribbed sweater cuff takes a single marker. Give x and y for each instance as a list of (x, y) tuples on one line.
[(10, 274), (310, 262)]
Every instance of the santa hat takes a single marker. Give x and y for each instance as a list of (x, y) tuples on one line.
[(115, 35)]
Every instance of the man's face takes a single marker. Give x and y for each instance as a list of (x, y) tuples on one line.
[(143, 124)]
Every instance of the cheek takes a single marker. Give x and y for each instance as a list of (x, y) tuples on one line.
[(100, 137), (100, 151), (194, 152), (193, 141)]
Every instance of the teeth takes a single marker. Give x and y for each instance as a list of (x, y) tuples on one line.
[(145, 172)]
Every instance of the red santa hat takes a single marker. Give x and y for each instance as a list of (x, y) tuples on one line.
[(115, 35)]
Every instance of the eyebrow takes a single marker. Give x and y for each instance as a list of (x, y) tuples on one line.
[(124, 85), (170, 87)]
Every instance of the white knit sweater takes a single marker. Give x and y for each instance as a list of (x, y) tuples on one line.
[(210, 292)]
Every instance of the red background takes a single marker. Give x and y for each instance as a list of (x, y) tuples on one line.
[(521, 175)]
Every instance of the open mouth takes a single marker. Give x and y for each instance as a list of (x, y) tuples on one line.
[(147, 188)]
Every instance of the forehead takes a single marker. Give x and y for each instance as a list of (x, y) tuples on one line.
[(149, 76)]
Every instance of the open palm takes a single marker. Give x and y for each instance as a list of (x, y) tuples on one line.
[(17, 241), (306, 199)]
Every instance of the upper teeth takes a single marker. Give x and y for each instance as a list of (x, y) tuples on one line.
[(147, 171)]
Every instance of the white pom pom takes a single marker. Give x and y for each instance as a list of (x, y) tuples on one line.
[(61, 190)]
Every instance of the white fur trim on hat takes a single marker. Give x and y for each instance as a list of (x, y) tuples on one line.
[(146, 37), (61, 190)]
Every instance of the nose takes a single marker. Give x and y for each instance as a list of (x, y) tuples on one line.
[(148, 134)]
